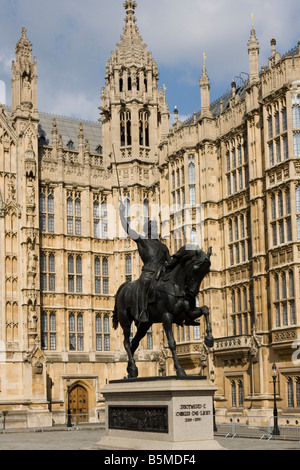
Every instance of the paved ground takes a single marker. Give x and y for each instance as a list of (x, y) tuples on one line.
[(86, 438)]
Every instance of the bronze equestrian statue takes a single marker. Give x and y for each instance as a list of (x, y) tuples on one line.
[(165, 293), (154, 255)]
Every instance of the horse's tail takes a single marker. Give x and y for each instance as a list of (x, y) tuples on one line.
[(115, 318)]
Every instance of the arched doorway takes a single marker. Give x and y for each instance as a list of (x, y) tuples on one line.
[(79, 403)]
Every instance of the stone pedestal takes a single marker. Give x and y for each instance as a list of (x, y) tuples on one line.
[(159, 413)]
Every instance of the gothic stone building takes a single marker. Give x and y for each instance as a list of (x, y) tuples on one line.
[(227, 178)]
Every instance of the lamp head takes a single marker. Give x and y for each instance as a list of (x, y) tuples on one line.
[(274, 370)]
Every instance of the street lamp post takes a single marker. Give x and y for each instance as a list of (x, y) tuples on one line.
[(69, 422), (275, 431), (5, 413)]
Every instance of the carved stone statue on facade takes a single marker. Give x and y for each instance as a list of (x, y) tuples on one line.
[(27, 94)]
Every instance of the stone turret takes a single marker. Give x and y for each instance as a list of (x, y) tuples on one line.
[(24, 80)]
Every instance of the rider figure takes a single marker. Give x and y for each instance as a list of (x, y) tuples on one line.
[(154, 255)]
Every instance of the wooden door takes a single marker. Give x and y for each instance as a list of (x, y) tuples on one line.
[(79, 403)]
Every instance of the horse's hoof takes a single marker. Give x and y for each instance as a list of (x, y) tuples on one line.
[(181, 372), (209, 341), (132, 372)]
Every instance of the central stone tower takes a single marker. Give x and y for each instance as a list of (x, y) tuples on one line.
[(134, 112)]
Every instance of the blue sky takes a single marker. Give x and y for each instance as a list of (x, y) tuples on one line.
[(73, 39)]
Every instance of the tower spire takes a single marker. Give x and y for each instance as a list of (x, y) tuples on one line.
[(130, 20), (253, 51), (204, 90)]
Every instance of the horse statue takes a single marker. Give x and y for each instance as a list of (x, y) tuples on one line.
[(171, 299)]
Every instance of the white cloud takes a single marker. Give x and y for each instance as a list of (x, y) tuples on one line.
[(73, 40)]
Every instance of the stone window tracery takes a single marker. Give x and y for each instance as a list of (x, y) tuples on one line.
[(281, 223), (100, 217), (47, 271), (237, 393), (76, 332), (101, 275), (242, 310), (102, 332), (284, 298), (73, 213), (237, 172), (48, 330), (47, 209), (293, 391), (74, 273)]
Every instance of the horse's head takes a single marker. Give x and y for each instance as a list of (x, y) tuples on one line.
[(197, 268)]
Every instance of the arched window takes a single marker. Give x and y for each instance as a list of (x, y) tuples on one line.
[(287, 201), (150, 338), (128, 268), (291, 284), (80, 322), (236, 228), (245, 299), (298, 198), (104, 227), (298, 210), (106, 331), (280, 204), (298, 392), (192, 172), (74, 273), (296, 116), (194, 236), (125, 128), (283, 286), (51, 267), (192, 195), (144, 128), (290, 392), (48, 329), (127, 208), (273, 202), (98, 332), (97, 272), (230, 231), (239, 300), (276, 286), (72, 322), (241, 393), (96, 216), (233, 301), (242, 226), (102, 332), (233, 394), (105, 276), (146, 210)]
